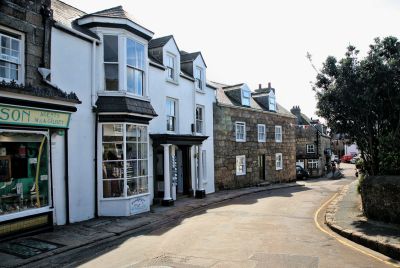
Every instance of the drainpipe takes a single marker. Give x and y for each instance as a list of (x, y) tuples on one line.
[(94, 108)]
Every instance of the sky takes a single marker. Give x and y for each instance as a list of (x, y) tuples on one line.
[(261, 41)]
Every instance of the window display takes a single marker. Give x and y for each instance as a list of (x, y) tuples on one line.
[(24, 172), (125, 160)]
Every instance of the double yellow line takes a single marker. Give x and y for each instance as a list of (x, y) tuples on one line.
[(342, 240)]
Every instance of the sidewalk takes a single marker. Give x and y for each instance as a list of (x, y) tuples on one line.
[(344, 216), (106, 229)]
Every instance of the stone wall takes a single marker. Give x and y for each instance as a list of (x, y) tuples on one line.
[(226, 148), (26, 17), (310, 135), (380, 198)]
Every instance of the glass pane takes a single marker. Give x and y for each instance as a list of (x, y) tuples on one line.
[(130, 79), (142, 167), (20, 188), (131, 151), (140, 56), (131, 169), (111, 76), (130, 52), (142, 133), (112, 151), (133, 188), (132, 133), (113, 170), (113, 188), (142, 148), (110, 48), (138, 82), (113, 133)]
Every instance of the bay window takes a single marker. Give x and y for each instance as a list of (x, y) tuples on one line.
[(125, 160), (10, 57), (124, 62)]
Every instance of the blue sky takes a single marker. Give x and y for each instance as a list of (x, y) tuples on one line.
[(265, 41)]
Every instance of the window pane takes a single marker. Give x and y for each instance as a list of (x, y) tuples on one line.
[(110, 48), (130, 52), (142, 134), (132, 133), (112, 133), (113, 170), (135, 54), (137, 186), (130, 79), (113, 188), (112, 151), (140, 55), (131, 151), (142, 170), (170, 123), (138, 82), (131, 169), (111, 76), (142, 149)]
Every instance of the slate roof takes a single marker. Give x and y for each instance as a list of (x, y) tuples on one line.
[(49, 92), (188, 57), (159, 42), (225, 97), (67, 15), (110, 104)]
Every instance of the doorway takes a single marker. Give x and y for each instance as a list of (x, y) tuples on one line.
[(261, 167)]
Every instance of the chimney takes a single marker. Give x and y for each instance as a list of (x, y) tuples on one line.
[(259, 86), (269, 84)]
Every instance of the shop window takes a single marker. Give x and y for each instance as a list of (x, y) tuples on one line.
[(312, 163), (24, 171), (125, 160)]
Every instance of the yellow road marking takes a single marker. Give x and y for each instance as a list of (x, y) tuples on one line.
[(343, 241)]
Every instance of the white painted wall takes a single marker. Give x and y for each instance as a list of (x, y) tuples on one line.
[(187, 97), (351, 149), (71, 65)]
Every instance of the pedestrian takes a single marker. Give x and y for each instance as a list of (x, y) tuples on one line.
[(333, 168)]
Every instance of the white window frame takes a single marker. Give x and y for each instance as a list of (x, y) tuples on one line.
[(201, 121), (314, 163), (199, 81), (123, 37), (21, 61), (240, 165), (310, 148), (261, 132), (125, 160), (278, 133), (175, 116), (238, 125), (245, 100), (278, 161), (173, 68), (143, 71)]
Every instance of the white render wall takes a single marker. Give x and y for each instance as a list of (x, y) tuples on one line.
[(71, 65), (187, 97)]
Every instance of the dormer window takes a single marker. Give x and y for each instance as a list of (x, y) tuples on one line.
[(272, 102), (245, 97), (124, 62), (170, 64), (134, 67), (199, 77)]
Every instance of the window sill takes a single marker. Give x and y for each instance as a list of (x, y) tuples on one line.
[(240, 140), (200, 91), (122, 94), (261, 141), (123, 198), (240, 174), (172, 81), (278, 141)]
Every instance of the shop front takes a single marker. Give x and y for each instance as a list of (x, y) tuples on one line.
[(27, 143)]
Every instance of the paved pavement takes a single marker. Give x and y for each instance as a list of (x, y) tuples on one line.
[(344, 216)]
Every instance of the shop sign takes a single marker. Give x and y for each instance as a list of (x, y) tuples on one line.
[(33, 117), (139, 204)]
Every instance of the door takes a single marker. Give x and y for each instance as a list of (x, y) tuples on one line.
[(261, 167)]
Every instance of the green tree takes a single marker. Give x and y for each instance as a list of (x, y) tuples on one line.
[(361, 98)]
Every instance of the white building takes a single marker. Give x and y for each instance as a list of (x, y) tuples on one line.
[(182, 134), (117, 140)]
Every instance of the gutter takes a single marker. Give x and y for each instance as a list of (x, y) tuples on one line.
[(78, 33)]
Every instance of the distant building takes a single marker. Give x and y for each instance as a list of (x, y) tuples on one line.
[(254, 138), (313, 145)]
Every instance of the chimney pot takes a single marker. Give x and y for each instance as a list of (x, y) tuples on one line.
[(259, 86), (269, 84)]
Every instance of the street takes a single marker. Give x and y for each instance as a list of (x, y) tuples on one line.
[(267, 229)]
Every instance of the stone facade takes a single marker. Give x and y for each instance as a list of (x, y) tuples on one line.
[(31, 18), (226, 148), (311, 133)]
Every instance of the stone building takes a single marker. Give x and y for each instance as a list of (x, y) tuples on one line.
[(34, 121), (254, 138), (313, 145)]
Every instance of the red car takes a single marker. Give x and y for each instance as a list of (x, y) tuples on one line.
[(346, 158)]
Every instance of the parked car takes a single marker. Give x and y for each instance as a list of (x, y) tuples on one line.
[(301, 173), (346, 158)]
